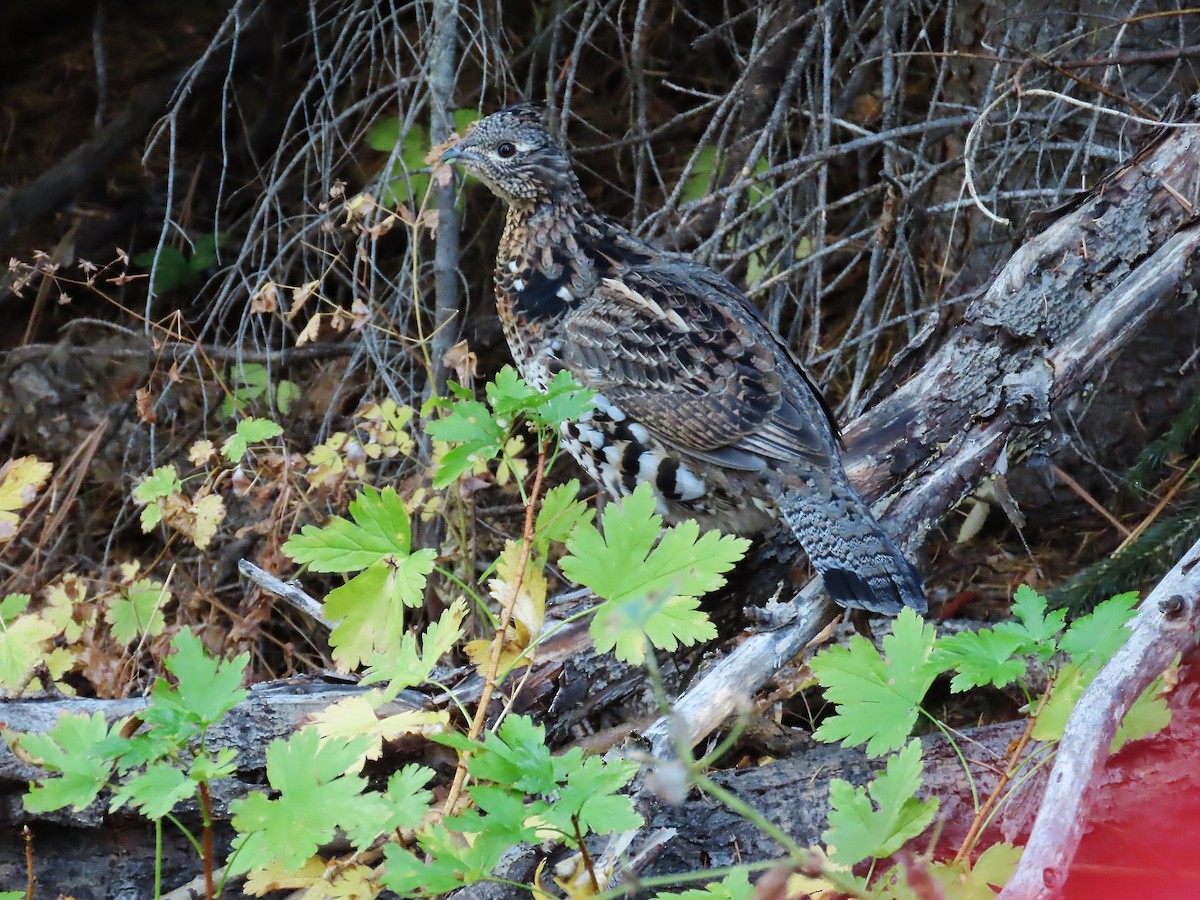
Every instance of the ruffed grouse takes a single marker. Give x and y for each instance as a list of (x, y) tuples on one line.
[(695, 394)]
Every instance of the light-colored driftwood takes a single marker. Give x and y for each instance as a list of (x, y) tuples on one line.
[(1164, 627)]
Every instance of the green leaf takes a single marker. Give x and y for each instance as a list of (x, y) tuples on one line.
[(249, 382), (981, 657), (77, 750), (316, 792), (14, 604), (1149, 714), (591, 794), (249, 431), (370, 607), (24, 643), (501, 813), (162, 482), (624, 562), (517, 755), (658, 577), (1068, 686), (697, 185), (981, 881), (204, 252), (403, 667), (157, 791), (463, 118), (138, 610), (384, 135), (561, 512), (858, 830), (878, 697), (510, 396), (409, 876), (380, 530), (565, 401), (1039, 628), (474, 431), (286, 396), (172, 269), (664, 621), (206, 688), (734, 886), (402, 805), (1092, 640)]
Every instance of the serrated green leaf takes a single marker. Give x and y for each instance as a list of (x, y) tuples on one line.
[(409, 876), (402, 805), (517, 755), (162, 482), (565, 401), (249, 431), (1040, 628), (1149, 714), (369, 608), (734, 886), (859, 830), (77, 750), (138, 610), (657, 576), (156, 791), (982, 880), (981, 657), (561, 512), (403, 667), (663, 620), (1092, 640), (591, 797), (624, 562), (12, 606), (477, 435), (380, 530), (206, 687), (316, 792), (878, 697), (24, 644)]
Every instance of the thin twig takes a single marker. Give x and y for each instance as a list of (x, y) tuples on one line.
[(289, 592), (1014, 764), (506, 614)]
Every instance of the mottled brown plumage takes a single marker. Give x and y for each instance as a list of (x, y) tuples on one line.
[(696, 395)]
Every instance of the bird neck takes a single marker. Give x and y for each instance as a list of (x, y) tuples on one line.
[(539, 233), (547, 258)]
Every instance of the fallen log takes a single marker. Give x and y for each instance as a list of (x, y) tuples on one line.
[(1065, 304)]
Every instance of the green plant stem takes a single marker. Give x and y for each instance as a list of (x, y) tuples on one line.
[(684, 878), (157, 858), (506, 614)]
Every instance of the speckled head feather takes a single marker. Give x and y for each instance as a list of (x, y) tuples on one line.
[(512, 152)]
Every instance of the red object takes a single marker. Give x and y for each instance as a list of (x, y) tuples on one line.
[(1143, 839)]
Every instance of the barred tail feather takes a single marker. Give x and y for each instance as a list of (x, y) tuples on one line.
[(860, 564)]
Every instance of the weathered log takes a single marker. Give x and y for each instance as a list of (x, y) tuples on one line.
[(1067, 302)]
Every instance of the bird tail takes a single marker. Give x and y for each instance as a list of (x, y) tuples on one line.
[(860, 564)]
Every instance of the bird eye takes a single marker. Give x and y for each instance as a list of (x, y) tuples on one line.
[(506, 149)]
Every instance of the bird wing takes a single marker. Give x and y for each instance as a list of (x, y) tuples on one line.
[(678, 349)]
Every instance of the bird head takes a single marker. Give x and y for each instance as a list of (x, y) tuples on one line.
[(512, 152)]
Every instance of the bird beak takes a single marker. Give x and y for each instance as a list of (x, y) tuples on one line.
[(451, 154)]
